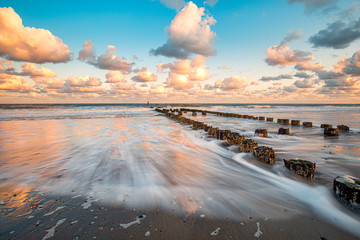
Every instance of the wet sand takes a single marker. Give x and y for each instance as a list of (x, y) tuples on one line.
[(30, 215)]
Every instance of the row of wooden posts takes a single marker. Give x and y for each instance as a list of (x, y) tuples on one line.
[(303, 168), (329, 130)]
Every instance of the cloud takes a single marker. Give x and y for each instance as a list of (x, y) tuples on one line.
[(343, 79), (27, 69), (84, 81), (347, 82), (30, 69), (185, 72), (52, 84), (178, 81), (115, 77), (189, 33), (282, 55), (233, 83), (303, 75), (254, 83), (279, 77), (88, 52), (306, 83), (108, 60), (144, 75), (29, 44), (352, 65), (312, 5), (337, 35), (14, 83), (344, 68), (290, 89)]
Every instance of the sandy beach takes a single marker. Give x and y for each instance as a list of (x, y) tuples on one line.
[(33, 216)]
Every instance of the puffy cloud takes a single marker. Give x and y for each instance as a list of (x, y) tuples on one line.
[(52, 83), (179, 66), (343, 79), (88, 52), (189, 32), (233, 83), (183, 73), (311, 5), (115, 77), (178, 81), (83, 84), (198, 71), (27, 43), (282, 55), (337, 35), (108, 60), (345, 67), (351, 65), (279, 77), (256, 83), (144, 75), (14, 83), (84, 81), (306, 83), (309, 65), (30, 69)]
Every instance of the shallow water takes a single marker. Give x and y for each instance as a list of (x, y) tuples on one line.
[(130, 155)]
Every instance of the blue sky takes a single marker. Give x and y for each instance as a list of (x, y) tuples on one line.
[(244, 30)]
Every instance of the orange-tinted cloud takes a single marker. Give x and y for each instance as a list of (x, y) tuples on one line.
[(185, 72), (233, 83), (108, 60), (29, 44), (115, 77), (84, 81), (30, 69), (14, 83), (144, 75), (282, 55)]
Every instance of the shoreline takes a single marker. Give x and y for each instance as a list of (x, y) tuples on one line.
[(101, 221)]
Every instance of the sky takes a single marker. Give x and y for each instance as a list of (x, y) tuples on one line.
[(177, 51)]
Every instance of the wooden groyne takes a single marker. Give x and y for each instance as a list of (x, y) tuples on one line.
[(328, 128), (266, 154)]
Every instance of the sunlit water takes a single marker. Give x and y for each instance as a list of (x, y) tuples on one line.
[(131, 156)]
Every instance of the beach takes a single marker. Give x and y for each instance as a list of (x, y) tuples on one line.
[(86, 171)]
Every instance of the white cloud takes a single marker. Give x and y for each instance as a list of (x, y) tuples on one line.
[(189, 33)]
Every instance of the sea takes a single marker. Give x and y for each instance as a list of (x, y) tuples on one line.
[(129, 155)]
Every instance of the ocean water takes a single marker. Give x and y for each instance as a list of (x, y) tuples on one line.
[(132, 156)]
